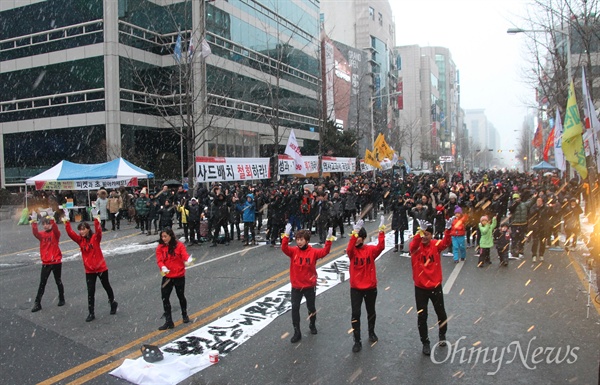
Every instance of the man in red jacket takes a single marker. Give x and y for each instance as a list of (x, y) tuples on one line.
[(303, 275), (427, 275), (363, 279), (51, 258)]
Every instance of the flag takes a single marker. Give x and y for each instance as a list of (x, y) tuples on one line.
[(371, 160), (177, 50), (549, 143), (538, 138), (205, 49), (381, 149), (592, 124), (191, 48), (293, 151), (572, 142), (559, 157)]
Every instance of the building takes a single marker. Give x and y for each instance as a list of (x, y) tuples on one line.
[(89, 81), (368, 26)]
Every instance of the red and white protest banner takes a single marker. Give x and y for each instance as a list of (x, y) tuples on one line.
[(86, 184), (214, 169), (288, 166)]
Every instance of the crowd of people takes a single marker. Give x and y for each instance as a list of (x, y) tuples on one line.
[(451, 212)]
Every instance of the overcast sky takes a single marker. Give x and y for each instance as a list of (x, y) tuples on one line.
[(490, 61)]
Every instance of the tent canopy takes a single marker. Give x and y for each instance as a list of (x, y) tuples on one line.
[(543, 165), (68, 171)]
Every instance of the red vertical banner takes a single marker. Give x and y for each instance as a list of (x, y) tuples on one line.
[(549, 143), (538, 138), (399, 91)]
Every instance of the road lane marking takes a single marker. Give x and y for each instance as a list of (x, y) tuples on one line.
[(448, 285)]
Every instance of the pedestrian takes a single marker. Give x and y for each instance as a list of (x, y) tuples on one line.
[(166, 213), (102, 206), (183, 214), (502, 240), (248, 210), (518, 225), (93, 262), (427, 276), (172, 258), (487, 240), (51, 257), (400, 210), (363, 279), (303, 275), (113, 206), (458, 230), (538, 223), (572, 223)]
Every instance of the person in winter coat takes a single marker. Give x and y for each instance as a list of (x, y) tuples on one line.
[(102, 206), (166, 214), (114, 204), (457, 226), (439, 222), (538, 224), (248, 210), (518, 224), (427, 276), (51, 257), (142, 206), (303, 275), (419, 213), (571, 215), (183, 214), (234, 217), (93, 262), (399, 221), (152, 216), (172, 258), (487, 240), (194, 210), (363, 279), (502, 240)]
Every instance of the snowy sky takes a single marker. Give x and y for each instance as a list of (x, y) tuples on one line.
[(490, 61)]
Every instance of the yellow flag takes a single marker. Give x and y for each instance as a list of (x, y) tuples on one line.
[(382, 149), (371, 160), (572, 142)]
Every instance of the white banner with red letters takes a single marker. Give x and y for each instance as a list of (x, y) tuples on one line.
[(332, 164), (214, 169), (287, 165)]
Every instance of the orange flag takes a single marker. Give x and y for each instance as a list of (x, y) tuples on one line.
[(549, 144), (538, 138)]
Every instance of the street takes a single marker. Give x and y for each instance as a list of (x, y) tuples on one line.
[(525, 323)]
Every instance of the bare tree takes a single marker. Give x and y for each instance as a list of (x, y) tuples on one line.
[(409, 134)]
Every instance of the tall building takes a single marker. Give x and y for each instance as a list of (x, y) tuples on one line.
[(92, 80), (485, 139), (368, 25), (429, 114)]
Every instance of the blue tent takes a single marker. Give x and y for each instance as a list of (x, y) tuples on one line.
[(543, 166)]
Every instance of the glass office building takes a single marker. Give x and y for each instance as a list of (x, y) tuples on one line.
[(88, 81)]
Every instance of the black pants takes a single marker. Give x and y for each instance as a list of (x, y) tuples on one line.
[(422, 297), (396, 234), (538, 244), (194, 228), (166, 288), (309, 293), (356, 298), (143, 219), (235, 226), (115, 220), (517, 239), (56, 269), (90, 280), (484, 255), (337, 222), (249, 228)]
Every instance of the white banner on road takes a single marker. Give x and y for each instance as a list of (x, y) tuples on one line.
[(212, 169), (287, 164), (189, 354), (332, 164)]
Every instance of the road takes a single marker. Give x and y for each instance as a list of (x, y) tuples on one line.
[(530, 319)]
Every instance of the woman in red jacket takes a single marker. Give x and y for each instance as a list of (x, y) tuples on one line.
[(51, 258), (171, 258), (303, 275), (93, 262), (363, 279), (427, 275)]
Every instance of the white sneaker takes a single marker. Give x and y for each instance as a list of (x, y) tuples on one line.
[(541, 258), (521, 256), (510, 256), (534, 259), (448, 255)]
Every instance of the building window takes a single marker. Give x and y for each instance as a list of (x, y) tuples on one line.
[(371, 13), (380, 19)]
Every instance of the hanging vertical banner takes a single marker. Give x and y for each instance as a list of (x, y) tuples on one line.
[(213, 169), (572, 142), (332, 164), (559, 158), (287, 165)]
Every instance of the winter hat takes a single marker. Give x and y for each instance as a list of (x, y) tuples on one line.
[(516, 196), (457, 210), (143, 191), (439, 208), (485, 217), (452, 195), (362, 233)]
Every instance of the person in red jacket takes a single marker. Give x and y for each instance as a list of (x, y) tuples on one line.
[(93, 262), (363, 279), (303, 275), (172, 258), (427, 275), (51, 258)]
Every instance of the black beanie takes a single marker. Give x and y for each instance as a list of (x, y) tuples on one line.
[(362, 233)]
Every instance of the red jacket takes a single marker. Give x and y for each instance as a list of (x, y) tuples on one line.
[(363, 275), (91, 254), (174, 262), (426, 261), (303, 263), (49, 250), (459, 226)]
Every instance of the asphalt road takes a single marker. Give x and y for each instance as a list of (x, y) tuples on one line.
[(539, 307)]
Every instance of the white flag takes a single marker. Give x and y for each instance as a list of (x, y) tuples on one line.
[(293, 151), (592, 125), (559, 157), (205, 49)]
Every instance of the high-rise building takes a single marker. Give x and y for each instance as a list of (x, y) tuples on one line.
[(368, 25), (92, 80)]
